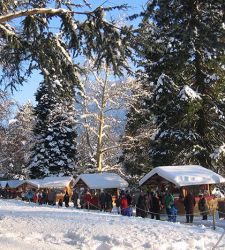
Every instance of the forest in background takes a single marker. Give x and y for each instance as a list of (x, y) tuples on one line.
[(123, 95)]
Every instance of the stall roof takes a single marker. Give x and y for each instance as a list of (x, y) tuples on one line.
[(14, 183), (102, 180), (51, 182), (3, 183), (186, 175)]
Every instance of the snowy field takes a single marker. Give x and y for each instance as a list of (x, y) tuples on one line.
[(29, 226)]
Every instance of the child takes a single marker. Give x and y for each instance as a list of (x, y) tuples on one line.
[(173, 214)]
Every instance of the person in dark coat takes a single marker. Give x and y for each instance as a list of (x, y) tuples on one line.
[(108, 202), (102, 200), (74, 198), (129, 198), (66, 199), (156, 206), (202, 206), (189, 204), (141, 205), (44, 197)]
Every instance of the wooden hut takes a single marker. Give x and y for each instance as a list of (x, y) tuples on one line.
[(179, 179), (59, 184), (109, 182)]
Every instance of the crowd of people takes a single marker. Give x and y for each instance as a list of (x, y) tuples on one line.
[(146, 204), (41, 197)]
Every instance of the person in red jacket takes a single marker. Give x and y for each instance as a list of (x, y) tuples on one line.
[(124, 204), (87, 199)]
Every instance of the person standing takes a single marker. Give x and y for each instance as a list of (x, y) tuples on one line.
[(108, 202), (87, 199), (124, 204), (102, 200), (66, 199), (129, 198), (189, 204), (202, 206), (169, 202), (141, 206), (75, 198), (156, 206)]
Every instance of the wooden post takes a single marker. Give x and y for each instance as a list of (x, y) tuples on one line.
[(214, 219)]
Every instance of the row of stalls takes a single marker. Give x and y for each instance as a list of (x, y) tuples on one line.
[(93, 182), (178, 179)]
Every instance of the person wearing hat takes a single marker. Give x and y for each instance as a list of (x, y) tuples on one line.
[(202, 206)]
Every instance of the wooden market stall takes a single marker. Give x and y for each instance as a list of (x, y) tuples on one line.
[(179, 179), (59, 184), (12, 188), (96, 182)]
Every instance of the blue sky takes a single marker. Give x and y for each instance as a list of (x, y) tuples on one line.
[(26, 92)]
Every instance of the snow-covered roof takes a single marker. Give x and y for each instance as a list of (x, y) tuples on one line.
[(14, 183), (3, 183), (186, 175), (102, 180), (51, 182)]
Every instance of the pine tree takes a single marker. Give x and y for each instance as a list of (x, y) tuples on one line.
[(139, 128), (183, 40), (54, 151), (24, 42)]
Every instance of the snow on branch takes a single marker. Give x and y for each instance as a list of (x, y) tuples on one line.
[(28, 12)]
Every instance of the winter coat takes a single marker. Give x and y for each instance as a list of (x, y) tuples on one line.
[(66, 199), (202, 206), (102, 199), (108, 201), (124, 203), (169, 200), (74, 197), (156, 205), (141, 206), (35, 198), (129, 199), (189, 203), (87, 197), (44, 197)]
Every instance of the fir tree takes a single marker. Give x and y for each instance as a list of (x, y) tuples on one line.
[(183, 40), (55, 148)]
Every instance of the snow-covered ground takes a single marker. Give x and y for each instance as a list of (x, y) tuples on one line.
[(29, 226)]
